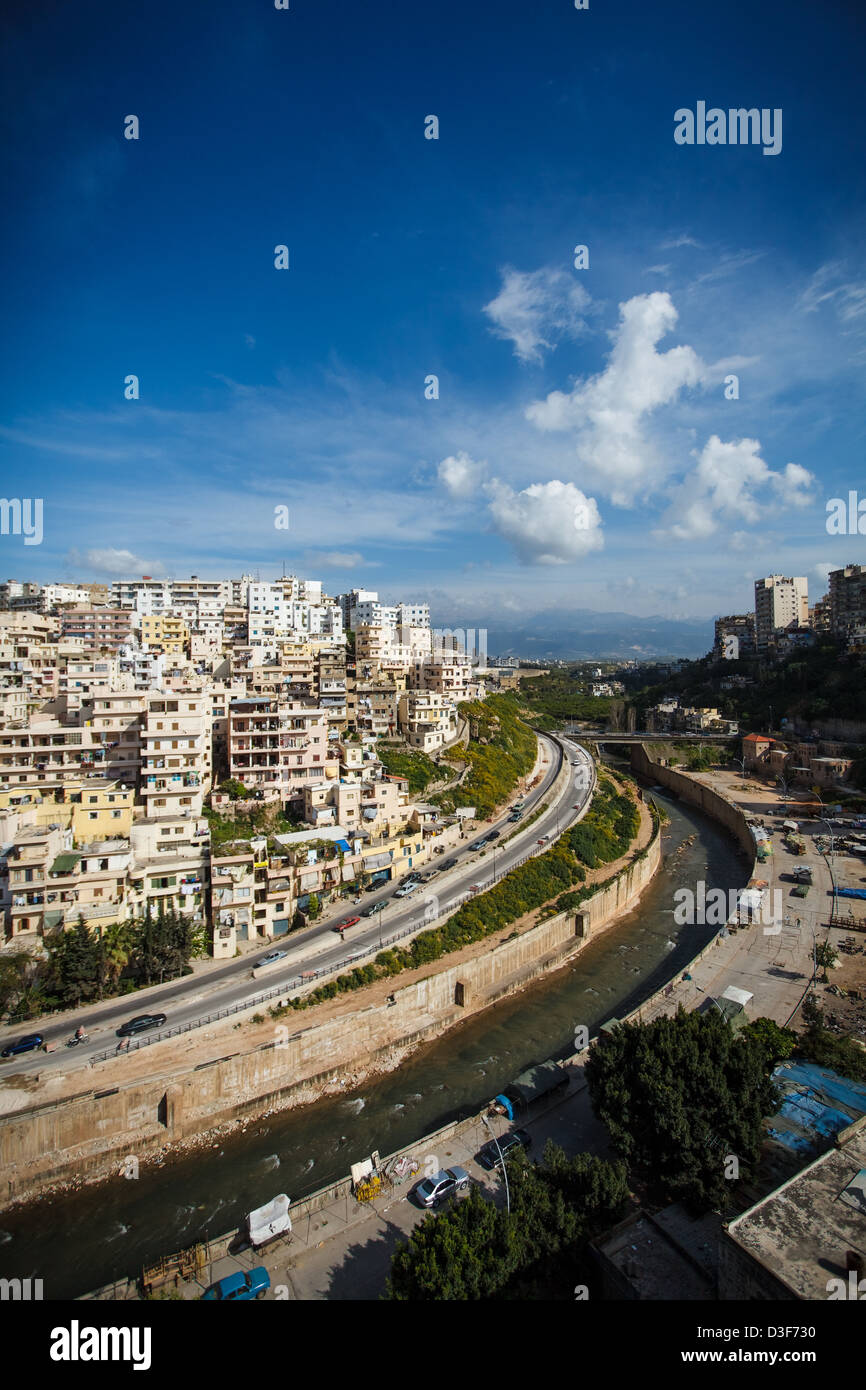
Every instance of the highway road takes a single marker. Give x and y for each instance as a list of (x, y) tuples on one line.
[(319, 947)]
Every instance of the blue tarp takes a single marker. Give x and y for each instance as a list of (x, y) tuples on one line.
[(851, 892), (816, 1105), (344, 846)]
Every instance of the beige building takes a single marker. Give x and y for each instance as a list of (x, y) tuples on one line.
[(175, 753), (779, 603), (427, 719)]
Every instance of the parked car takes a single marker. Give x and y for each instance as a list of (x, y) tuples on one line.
[(140, 1024), (515, 816), (348, 922), (494, 835), (253, 1283), (370, 909), (28, 1043), (509, 1145), (272, 957), (433, 1191), (449, 864), (544, 840), (478, 844), (425, 878), (405, 890)]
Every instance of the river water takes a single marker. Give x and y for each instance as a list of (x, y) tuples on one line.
[(81, 1240)]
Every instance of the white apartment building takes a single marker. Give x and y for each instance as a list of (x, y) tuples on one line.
[(175, 753), (779, 603)]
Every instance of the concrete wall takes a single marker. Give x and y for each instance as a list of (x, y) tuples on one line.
[(89, 1135), (695, 793)]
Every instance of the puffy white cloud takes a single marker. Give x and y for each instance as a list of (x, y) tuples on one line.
[(536, 309), (118, 563), (462, 476), (547, 523), (723, 487), (607, 410)]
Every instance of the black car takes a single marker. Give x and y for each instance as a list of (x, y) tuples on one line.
[(140, 1024), (494, 835), (26, 1044), (509, 1144), (370, 909), (449, 864)]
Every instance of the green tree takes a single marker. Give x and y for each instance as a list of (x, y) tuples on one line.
[(778, 1043), (74, 967), (313, 907), (475, 1251), (678, 1095), (825, 958)]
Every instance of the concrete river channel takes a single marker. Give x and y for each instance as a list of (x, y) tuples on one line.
[(80, 1240)]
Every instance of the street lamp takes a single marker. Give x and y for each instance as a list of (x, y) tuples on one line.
[(701, 990), (379, 910), (485, 1121), (741, 763), (829, 857)]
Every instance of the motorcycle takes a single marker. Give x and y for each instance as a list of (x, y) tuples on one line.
[(76, 1039)]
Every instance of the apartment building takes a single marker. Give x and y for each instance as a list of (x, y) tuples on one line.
[(847, 599), (166, 631), (176, 760), (779, 603), (279, 745), (51, 885), (97, 627), (171, 864), (446, 673), (734, 636), (427, 720)]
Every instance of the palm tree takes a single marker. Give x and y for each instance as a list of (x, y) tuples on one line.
[(116, 946)]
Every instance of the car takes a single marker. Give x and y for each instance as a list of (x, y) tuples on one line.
[(140, 1024), (577, 806), (509, 1144), (478, 844), (272, 957), (449, 864), (494, 835), (544, 840), (432, 1192), (348, 922), (370, 909), (425, 878), (234, 1288), (405, 890), (28, 1043), (474, 888)]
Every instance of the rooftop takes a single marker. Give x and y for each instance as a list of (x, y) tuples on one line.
[(801, 1233)]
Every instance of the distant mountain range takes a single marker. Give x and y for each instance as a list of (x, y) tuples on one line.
[(583, 634)]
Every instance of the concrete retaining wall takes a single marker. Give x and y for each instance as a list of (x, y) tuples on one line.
[(88, 1135), (696, 793)]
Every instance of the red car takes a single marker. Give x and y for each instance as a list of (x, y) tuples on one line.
[(349, 922)]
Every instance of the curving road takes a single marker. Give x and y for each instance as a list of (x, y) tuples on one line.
[(319, 948)]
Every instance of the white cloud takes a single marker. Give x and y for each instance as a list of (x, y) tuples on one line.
[(607, 410), (547, 523), (724, 485), (461, 475), (829, 286), (536, 309), (118, 563), (336, 559)]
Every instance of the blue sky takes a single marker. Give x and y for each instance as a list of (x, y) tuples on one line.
[(581, 453)]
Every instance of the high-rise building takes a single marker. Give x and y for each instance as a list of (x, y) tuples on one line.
[(847, 600), (780, 603)]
